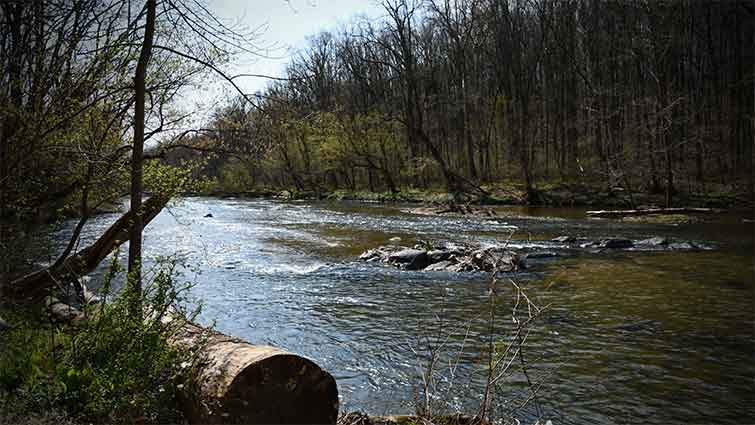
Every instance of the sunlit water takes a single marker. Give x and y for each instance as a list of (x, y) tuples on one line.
[(630, 337)]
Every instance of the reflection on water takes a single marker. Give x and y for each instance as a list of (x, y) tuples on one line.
[(631, 337)]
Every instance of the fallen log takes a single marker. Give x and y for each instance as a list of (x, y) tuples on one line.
[(649, 211), (34, 286), (237, 382), (234, 382)]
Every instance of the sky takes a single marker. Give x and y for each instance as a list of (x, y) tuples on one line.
[(284, 26)]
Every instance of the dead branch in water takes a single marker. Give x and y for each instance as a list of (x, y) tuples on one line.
[(649, 211)]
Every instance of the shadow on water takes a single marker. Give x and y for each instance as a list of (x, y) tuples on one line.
[(661, 337)]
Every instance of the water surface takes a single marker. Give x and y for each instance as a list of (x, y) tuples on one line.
[(630, 337)]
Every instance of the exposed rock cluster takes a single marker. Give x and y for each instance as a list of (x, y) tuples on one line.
[(449, 259)]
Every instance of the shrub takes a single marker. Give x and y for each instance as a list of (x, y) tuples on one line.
[(117, 367)]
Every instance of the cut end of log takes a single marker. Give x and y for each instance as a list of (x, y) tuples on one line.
[(281, 389), (250, 384)]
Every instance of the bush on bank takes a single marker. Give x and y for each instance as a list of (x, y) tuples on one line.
[(116, 367)]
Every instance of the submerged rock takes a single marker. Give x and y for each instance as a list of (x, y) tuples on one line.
[(671, 219), (454, 209), (359, 418), (372, 254), (419, 262)]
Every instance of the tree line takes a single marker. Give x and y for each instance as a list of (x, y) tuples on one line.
[(651, 95)]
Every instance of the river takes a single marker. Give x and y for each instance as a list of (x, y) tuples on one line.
[(629, 337)]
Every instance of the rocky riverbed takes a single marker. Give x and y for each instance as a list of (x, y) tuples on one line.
[(453, 257)]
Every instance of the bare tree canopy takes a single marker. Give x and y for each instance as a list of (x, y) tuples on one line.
[(653, 96)]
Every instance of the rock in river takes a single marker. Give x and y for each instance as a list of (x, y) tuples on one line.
[(438, 255), (654, 242), (406, 255), (669, 244), (440, 266), (456, 259), (615, 243), (682, 246), (503, 261), (415, 259)]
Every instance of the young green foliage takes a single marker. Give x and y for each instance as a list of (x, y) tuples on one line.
[(115, 368)]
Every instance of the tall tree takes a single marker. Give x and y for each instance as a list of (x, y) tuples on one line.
[(137, 150)]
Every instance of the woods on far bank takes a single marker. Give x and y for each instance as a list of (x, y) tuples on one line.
[(647, 96)]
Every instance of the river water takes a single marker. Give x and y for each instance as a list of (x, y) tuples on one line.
[(628, 337)]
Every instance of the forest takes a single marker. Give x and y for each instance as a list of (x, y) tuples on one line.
[(459, 96), (647, 96)]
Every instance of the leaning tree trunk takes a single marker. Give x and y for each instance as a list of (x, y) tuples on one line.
[(237, 382), (34, 286)]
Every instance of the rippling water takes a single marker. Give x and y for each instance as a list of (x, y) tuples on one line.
[(630, 337)]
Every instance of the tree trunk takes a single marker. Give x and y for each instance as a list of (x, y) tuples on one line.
[(388, 179), (137, 184), (242, 383)]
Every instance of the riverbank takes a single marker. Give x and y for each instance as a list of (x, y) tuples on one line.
[(553, 194)]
